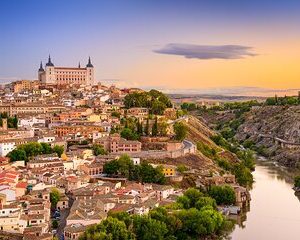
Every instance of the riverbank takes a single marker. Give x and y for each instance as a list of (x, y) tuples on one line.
[(274, 209)]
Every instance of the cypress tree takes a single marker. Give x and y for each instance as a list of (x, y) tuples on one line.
[(155, 128)]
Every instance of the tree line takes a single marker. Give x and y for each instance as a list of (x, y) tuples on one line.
[(281, 101), (154, 100), (25, 151), (192, 216)]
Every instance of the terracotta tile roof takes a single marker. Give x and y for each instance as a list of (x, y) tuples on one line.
[(22, 185)]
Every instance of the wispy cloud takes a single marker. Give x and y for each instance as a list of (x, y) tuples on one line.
[(207, 51)]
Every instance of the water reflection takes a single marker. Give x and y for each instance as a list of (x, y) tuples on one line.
[(275, 209)]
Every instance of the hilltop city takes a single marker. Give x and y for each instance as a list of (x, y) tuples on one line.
[(75, 153)]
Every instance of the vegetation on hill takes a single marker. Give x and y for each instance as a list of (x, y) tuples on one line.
[(286, 100), (193, 216), (143, 172), (133, 129), (25, 151), (155, 100), (241, 169)]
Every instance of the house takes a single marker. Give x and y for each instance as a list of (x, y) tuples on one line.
[(9, 218), (92, 169), (163, 191), (86, 212), (139, 113), (115, 144), (9, 177), (63, 202), (242, 196), (21, 189), (73, 231), (145, 207), (91, 190)]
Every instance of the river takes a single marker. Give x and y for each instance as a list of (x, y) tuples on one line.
[(274, 209)]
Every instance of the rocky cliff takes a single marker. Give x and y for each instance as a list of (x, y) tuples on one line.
[(268, 126)]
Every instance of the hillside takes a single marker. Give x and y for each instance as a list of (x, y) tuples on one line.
[(198, 131), (263, 124)]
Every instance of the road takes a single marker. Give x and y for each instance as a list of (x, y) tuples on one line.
[(62, 223)]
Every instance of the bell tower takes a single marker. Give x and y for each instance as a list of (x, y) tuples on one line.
[(50, 73), (89, 73)]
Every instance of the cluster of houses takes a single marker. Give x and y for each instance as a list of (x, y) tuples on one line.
[(76, 119), (86, 194)]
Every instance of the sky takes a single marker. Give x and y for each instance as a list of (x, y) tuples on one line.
[(170, 45)]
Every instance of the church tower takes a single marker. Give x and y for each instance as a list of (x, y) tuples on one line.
[(49, 72), (89, 73), (41, 73)]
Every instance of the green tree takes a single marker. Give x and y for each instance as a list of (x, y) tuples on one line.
[(139, 128), (17, 155), (147, 130), (54, 197), (204, 202), (46, 148), (129, 134), (111, 167), (98, 150), (158, 107), (58, 149), (242, 174), (147, 228), (125, 165), (162, 127), (247, 157), (193, 195), (180, 130), (196, 224), (184, 202), (33, 149), (108, 229), (155, 128), (222, 194)]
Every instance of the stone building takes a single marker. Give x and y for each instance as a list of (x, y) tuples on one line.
[(66, 75)]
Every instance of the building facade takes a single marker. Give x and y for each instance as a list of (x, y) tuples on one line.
[(66, 75)]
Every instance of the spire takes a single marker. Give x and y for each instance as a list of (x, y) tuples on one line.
[(79, 65), (89, 63), (49, 63), (41, 69)]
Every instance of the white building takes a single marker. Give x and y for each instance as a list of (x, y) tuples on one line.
[(6, 147), (29, 122), (47, 139)]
